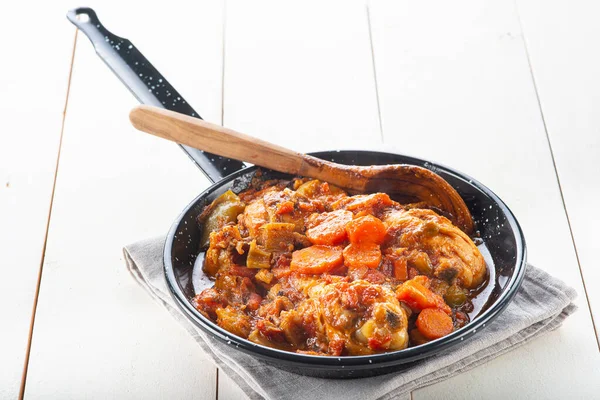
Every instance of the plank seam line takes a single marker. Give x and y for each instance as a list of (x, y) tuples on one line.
[(222, 124), (223, 36), (217, 389), (562, 196), (39, 277), (374, 72)]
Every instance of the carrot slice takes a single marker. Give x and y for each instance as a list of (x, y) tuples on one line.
[(316, 259), (366, 229), (362, 254), (418, 297), (434, 323), (400, 269), (331, 228)]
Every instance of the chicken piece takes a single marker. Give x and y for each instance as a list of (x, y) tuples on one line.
[(234, 321), (281, 207), (357, 317), (236, 290), (219, 255), (366, 316), (303, 328), (386, 329), (254, 216), (453, 255), (321, 193), (208, 301), (364, 203)]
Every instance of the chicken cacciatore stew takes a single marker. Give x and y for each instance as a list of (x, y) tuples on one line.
[(303, 266)]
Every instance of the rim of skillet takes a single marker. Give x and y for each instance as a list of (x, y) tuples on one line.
[(371, 361)]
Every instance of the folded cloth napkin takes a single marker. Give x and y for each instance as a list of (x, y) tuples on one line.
[(540, 306)]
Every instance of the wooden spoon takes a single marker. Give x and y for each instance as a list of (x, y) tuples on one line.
[(410, 182)]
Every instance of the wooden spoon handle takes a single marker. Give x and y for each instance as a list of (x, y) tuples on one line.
[(408, 180), (213, 138)]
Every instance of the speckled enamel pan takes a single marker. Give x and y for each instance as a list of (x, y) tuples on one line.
[(503, 241)]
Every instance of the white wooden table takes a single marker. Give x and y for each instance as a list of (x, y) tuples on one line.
[(507, 92)]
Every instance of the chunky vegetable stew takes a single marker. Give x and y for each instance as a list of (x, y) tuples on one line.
[(302, 266)]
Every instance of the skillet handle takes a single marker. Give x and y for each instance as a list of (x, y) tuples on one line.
[(146, 84)]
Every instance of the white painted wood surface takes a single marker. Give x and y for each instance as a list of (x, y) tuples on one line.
[(446, 74), (561, 37), (97, 334), (301, 75), (455, 87), (33, 77)]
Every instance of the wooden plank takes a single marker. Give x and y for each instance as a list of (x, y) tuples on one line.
[(97, 334), (302, 77), (228, 389), (455, 87), (34, 86), (559, 36)]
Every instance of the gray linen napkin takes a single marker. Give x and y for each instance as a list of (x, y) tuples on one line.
[(540, 306)]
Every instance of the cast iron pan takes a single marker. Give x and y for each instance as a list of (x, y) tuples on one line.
[(498, 228)]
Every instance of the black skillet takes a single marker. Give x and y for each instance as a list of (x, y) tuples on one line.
[(503, 241)]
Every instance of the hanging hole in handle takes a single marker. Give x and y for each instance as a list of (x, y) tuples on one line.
[(83, 18)]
